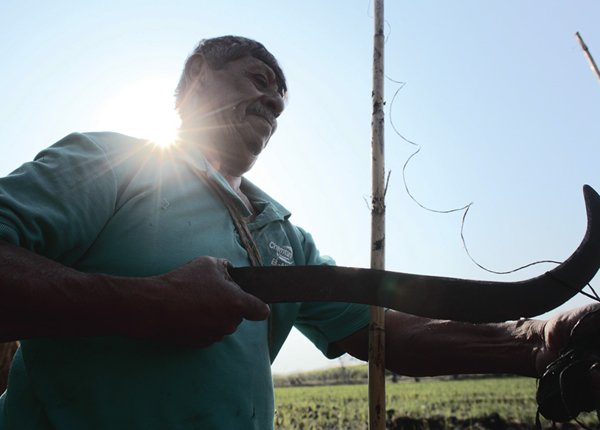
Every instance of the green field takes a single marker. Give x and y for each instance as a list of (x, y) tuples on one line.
[(449, 401)]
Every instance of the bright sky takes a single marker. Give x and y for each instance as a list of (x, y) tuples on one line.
[(498, 94)]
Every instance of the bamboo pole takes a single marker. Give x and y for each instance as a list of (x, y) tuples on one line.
[(588, 55), (377, 411)]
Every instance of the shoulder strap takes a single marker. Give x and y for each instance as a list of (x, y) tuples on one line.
[(247, 241), (240, 225)]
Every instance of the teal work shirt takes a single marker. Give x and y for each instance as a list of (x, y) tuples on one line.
[(108, 203)]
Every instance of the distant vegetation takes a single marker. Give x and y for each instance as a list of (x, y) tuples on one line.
[(479, 403), (333, 376), (346, 375)]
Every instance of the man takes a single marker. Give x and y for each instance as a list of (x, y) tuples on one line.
[(113, 272)]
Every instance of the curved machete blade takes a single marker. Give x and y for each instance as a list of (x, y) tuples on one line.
[(432, 296)]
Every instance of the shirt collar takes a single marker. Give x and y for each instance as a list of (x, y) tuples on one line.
[(269, 208), (269, 205)]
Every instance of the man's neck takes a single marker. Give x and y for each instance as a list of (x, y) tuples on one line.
[(213, 158), (203, 142), (235, 183)]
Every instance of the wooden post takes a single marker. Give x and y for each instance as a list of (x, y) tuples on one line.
[(588, 55), (377, 411)]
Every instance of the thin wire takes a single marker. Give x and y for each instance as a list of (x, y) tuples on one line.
[(593, 296), (409, 159), (497, 272), (465, 209)]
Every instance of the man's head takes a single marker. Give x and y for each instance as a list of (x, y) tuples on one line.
[(229, 96), (217, 52)]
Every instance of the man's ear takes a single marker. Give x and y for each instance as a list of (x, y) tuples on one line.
[(195, 72), (194, 75)]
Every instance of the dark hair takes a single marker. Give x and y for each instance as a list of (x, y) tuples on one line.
[(218, 51)]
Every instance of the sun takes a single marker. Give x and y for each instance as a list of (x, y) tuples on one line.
[(142, 109)]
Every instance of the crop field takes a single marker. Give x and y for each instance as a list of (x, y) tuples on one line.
[(495, 403)]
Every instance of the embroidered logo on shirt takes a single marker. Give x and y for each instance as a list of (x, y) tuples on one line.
[(284, 256)]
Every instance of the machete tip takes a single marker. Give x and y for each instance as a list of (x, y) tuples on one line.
[(589, 192)]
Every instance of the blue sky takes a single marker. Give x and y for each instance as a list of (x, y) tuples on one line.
[(498, 94)]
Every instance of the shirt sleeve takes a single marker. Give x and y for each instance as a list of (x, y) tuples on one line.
[(56, 204), (324, 323)]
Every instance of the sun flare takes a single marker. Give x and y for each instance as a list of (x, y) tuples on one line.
[(143, 109)]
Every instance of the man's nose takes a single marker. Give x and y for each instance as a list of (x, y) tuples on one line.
[(273, 102)]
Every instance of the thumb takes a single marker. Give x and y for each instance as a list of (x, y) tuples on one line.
[(253, 308)]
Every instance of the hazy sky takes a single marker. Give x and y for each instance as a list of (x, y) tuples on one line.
[(498, 94)]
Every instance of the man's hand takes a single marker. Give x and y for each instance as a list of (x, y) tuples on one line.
[(556, 332), (198, 304), (568, 364)]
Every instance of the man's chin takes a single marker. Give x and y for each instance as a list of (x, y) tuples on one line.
[(241, 169), (255, 146), (241, 161)]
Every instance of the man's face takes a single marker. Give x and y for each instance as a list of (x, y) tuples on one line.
[(237, 107)]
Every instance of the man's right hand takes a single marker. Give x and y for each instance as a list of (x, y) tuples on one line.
[(198, 304)]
